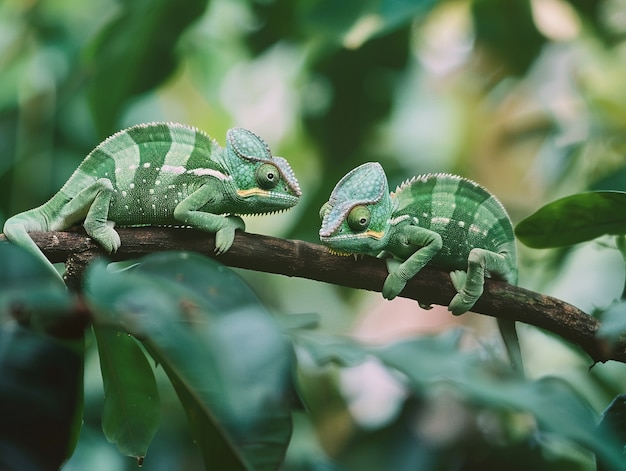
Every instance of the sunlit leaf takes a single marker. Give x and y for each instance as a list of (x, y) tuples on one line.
[(226, 357), (131, 409), (573, 219)]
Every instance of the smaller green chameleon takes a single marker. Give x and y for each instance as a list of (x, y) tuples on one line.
[(447, 220), (161, 174)]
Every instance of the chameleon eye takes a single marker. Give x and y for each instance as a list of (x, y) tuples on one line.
[(359, 218), (267, 176)]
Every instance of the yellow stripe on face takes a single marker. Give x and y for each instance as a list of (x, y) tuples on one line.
[(252, 192), (374, 234)]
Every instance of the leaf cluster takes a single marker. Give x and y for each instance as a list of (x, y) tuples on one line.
[(242, 376)]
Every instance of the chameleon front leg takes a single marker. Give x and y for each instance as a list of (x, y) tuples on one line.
[(224, 227), (429, 243)]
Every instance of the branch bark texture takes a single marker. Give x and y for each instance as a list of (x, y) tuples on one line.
[(305, 260)]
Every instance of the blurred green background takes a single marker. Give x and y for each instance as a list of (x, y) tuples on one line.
[(525, 97)]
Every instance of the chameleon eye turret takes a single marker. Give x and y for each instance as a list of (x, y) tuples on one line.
[(359, 218), (267, 176)]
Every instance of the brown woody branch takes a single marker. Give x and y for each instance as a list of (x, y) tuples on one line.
[(306, 260)]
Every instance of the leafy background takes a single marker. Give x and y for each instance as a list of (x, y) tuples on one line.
[(525, 97)]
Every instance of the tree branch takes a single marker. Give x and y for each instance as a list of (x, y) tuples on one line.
[(306, 260)]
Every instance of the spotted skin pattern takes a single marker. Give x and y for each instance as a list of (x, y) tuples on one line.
[(164, 174), (443, 219)]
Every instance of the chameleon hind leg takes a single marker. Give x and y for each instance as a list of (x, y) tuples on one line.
[(95, 201), (16, 230), (91, 203), (469, 288), (470, 285)]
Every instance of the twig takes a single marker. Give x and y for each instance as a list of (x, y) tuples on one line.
[(306, 260)]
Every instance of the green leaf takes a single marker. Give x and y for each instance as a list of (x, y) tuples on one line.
[(31, 295), (131, 410), (613, 424), (27, 287), (508, 31), (134, 53), (428, 362), (224, 354), (356, 21), (41, 382), (574, 219)]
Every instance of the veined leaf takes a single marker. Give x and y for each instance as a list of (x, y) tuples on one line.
[(573, 219), (41, 376), (41, 384), (131, 410), (224, 354)]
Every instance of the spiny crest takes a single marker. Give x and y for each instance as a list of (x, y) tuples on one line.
[(427, 176), (365, 184), (144, 126)]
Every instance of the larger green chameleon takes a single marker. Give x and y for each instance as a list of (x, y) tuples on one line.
[(164, 174), (447, 220)]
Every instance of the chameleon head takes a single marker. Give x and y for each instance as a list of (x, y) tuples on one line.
[(356, 217), (264, 183)]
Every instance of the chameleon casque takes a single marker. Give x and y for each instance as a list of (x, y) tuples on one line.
[(449, 221), (164, 174)]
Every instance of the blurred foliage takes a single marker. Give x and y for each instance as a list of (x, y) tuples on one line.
[(524, 96)]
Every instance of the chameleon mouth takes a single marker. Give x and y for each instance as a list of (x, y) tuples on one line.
[(378, 235), (268, 213), (339, 253)]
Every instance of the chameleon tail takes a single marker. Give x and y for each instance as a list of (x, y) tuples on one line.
[(511, 343)]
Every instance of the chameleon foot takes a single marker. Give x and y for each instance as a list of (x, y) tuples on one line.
[(225, 236)]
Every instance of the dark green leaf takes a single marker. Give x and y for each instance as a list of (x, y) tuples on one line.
[(574, 219), (224, 354), (508, 30), (356, 21), (134, 53), (613, 424), (27, 286), (41, 382), (131, 409)]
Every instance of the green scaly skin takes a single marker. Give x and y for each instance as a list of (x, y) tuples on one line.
[(164, 174), (443, 219)]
